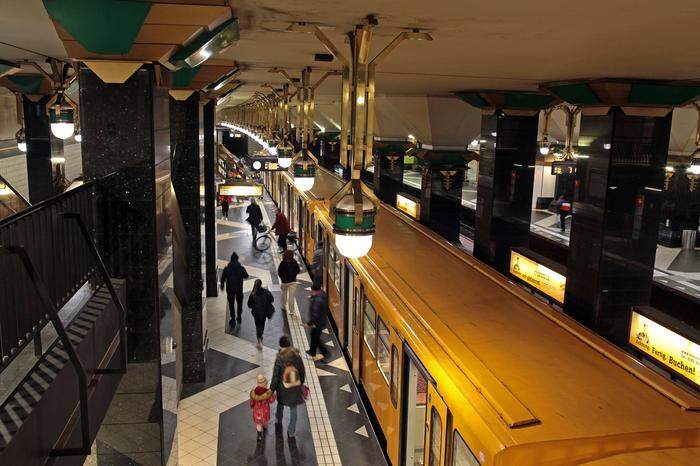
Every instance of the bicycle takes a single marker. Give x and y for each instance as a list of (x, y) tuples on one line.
[(265, 240)]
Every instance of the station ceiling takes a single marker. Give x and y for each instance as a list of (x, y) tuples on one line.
[(505, 44)]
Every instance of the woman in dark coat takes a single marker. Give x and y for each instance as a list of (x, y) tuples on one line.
[(260, 304), (288, 378)]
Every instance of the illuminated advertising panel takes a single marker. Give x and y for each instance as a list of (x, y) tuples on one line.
[(538, 276), (241, 190), (666, 346), (408, 205)]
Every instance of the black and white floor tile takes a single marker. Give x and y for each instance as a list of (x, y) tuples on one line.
[(214, 419)]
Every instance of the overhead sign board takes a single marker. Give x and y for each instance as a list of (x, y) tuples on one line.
[(408, 205), (241, 189), (538, 276), (668, 347)]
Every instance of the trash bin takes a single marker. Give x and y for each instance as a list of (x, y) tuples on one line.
[(688, 239)]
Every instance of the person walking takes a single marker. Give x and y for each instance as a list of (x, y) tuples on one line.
[(232, 279), (564, 210), (254, 217), (288, 383), (317, 264), (260, 304), (224, 207), (318, 312), (261, 398), (288, 271), (282, 228)]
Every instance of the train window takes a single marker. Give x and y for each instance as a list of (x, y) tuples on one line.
[(368, 328), (383, 356), (435, 438), (394, 385), (461, 454)]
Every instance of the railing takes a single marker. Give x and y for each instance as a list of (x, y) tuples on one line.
[(47, 253)]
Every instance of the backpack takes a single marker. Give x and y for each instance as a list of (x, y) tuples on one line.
[(290, 376)]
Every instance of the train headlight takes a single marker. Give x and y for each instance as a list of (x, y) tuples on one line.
[(352, 238)]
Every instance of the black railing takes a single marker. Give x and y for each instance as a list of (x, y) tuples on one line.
[(58, 252)]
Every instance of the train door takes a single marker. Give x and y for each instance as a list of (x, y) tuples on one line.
[(351, 295), (424, 416)]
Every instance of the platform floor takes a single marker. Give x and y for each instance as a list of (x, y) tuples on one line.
[(214, 419)]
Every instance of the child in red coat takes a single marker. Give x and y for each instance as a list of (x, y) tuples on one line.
[(261, 398)]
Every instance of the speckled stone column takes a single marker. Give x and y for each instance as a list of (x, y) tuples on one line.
[(210, 160), (126, 139), (38, 132), (188, 176)]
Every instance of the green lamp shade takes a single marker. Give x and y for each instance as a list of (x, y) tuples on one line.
[(65, 116), (308, 172)]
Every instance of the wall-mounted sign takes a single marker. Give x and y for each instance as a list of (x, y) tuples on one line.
[(563, 168), (244, 189), (408, 205), (265, 164), (666, 346), (538, 276)]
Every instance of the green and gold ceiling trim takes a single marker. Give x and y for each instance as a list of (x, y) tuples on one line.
[(510, 102), (633, 96)]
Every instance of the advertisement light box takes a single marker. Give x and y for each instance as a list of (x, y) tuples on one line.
[(538, 276)]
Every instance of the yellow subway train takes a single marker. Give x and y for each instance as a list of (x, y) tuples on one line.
[(462, 367)]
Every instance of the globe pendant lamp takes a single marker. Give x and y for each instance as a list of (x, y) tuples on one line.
[(354, 223), (304, 174), (21, 140), (62, 122), (284, 155)]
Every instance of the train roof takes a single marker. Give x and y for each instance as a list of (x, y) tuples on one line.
[(545, 376)]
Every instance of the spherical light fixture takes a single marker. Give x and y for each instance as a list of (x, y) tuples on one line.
[(257, 165), (694, 167), (544, 149), (304, 175), (78, 137), (21, 140), (284, 160), (353, 239), (62, 123)]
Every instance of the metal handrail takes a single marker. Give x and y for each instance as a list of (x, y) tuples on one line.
[(108, 282), (52, 315)]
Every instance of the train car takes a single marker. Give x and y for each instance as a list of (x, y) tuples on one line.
[(462, 367)]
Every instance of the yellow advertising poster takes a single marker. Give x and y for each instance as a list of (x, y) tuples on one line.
[(666, 346), (408, 205), (538, 276), (243, 190)]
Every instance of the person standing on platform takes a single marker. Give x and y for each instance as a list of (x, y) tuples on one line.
[(232, 279), (261, 398), (318, 313), (260, 304), (224, 207), (254, 217), (288, 382), (282, 228), (317, 265), (564, 210), (288, 271)]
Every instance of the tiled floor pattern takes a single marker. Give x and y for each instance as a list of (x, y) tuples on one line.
[(214, 419)]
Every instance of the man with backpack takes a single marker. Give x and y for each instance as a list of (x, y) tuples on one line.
[(288, 378), (232, 279), (564, 210), (255, 217)]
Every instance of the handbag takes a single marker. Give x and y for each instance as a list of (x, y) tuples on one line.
[(305, 392)]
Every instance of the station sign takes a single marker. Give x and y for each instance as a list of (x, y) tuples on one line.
[(538, 276), (408, 205), (241, 189), (666, 346), (563, 168), (265, 164)]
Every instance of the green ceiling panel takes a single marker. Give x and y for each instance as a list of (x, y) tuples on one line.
[(660, 94), (182, 78), (26, 84), (577, 94), (524, 100), (473, 98), (101, 26)]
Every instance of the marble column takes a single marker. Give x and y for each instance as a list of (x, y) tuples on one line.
[(504, 193), (210, 160), (38, 133), (615, 223), (187, 177), (126, 147), (441, 199)]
